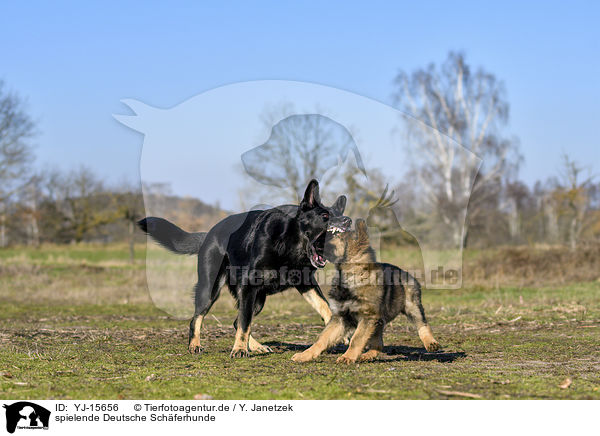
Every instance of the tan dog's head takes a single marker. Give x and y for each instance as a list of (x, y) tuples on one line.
[(352, 246)]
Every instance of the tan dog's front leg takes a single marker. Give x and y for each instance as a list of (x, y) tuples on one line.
[(375, 344), (331, 335), (365, 329)]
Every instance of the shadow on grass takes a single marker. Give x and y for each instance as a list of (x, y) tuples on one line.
[(391, 353), (401, 353)]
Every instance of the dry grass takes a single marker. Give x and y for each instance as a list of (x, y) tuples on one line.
[(75, 316)]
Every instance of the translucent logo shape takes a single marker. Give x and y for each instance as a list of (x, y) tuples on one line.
[(205, 146)]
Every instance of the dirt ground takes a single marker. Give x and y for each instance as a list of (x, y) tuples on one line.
[(78, 323)]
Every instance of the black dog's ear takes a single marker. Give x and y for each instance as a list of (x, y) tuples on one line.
[(311, 196), (362, 233), (340, 204)]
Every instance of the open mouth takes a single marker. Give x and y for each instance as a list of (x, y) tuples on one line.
[(316, 246)]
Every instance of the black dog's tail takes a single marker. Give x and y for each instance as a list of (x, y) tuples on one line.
[(172, 237)]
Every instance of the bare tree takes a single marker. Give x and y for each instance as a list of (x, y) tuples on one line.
[(470, 108), (573, 194), (300, 148), (30, 198), (16, 130), (129, 206), (78, 204), (550, 209), (515, 197)]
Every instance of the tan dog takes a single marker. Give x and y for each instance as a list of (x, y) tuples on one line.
[(364, 297)]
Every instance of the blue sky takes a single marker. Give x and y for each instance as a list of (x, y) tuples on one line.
[(74, 62)]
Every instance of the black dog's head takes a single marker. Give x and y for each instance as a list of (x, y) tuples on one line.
[(317, 220)]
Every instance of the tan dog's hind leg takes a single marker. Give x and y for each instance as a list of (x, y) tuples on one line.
[(416, 314), (427, 338), (364, 331), (375, 344), (331, 335)]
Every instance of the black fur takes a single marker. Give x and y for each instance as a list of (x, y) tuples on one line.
[(279, 242), (172, 237)]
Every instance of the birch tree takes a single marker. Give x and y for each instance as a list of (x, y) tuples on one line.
[(470, 108), (16, 130)]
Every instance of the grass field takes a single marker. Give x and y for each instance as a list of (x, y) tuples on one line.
[(77, 323)]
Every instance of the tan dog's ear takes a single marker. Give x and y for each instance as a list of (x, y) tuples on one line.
[(362, 233)]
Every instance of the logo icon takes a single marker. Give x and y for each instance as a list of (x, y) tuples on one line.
[(26, 415), (287, 133)]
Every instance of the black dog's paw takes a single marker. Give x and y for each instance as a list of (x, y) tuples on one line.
[(195, 349), (194, 346), (261, 349), (238, 352)]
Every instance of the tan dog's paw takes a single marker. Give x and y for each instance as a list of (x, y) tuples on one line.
[(302, 357), (345, 360), (369, 355), (433, 346), (238, 352)]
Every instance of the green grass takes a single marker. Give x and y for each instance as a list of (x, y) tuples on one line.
[(77, 323)]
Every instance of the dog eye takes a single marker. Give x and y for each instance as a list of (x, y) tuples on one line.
[(325, 215)]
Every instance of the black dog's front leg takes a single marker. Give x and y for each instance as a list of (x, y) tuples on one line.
[(246, 298), (314, 296)]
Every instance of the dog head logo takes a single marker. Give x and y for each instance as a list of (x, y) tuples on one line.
[(197, 146), (26, 415)]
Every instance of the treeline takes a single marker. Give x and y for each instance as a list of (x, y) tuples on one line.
[(444, 178), (564, 210), (77, 206), (74, 206)]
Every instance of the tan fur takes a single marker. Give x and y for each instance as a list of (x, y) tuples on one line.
[(427, 338), (257, 347), (318, 304), (194, 346), (240, 346), (369, 355), (364, 331), (359, 275), (331, 335)]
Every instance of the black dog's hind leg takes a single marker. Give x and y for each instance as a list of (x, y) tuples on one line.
[(247, 298), (253, 345), (211, 277), (203, 305)]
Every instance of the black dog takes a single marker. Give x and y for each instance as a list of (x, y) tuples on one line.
[(256, 254)]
